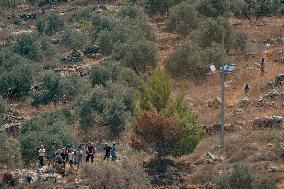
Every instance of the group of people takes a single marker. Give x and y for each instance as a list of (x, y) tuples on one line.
[(73, 156)]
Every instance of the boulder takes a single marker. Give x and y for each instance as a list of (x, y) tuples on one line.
[(209, 158), (274, 95), (11, 128), (215, 128), (215, 103), (244, 102), (72, 57), (83, 71), (268, 122), (279, 80)]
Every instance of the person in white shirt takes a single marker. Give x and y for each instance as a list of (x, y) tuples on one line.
[(71, 157), (41, 154)]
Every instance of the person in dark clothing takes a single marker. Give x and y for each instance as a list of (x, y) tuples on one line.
[(90, 153), (107, 150), (246, 88), (262, 61)]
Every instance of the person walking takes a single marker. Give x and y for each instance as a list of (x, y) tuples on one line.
[(41, 155), (90, 152), (247, 88), (107, 150), (53, 155), (113, 152), (262, 62), (71, 157)]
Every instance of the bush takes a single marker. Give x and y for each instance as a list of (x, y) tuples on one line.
[(182, 18), (49, 128), (17, 82), (75, 39), (26, 46), (212, 8), (10, 152), (240, 177), (99, 75), (2, 106), (239, 42), (51, 90), (50, 24), (108, 175), (83, 15), (141, 55), (265, 181), (85, 111), (155, 92), (159, 6), (191, 61), (105, 41), (210, 32)]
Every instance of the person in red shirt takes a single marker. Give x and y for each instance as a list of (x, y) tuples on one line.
[(90, 152)]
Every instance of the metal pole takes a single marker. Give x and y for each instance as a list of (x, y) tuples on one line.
[(222, 94)]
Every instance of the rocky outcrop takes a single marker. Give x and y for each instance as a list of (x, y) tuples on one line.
[(279, 80), (244, 102), (270, 96), (268, 122), (214, 103), (72, 57), (215, 128), (209, 158)]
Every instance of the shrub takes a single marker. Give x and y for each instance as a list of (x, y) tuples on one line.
[(155, 92), (2, 106), (212, 8), (75, 39), (17, 82), (239, 42), (139, 55), (240, 177), (159, 6), (265, 181), (49, 128), (158, 131), (191, 61), (82, 15), (99, 75), (182, 18), (210, 32), (26, 46), (105, 41), (10, 152), (108, 175), (85, 111), (50, 24), (51, 89)]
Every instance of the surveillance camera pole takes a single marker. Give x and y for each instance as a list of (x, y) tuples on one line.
[(222, 94)]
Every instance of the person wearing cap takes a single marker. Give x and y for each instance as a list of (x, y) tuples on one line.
[(107, 150), (41, 154), (113, 152)]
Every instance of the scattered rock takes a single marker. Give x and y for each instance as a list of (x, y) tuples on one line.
[(11, 129), (274, 95), (268, 46), (245, 102), (209, 158), (72, 57), (215, 103), (237, 112), (43, 174), (268, 122), (215, 128), (28, 16), (92, 52)]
